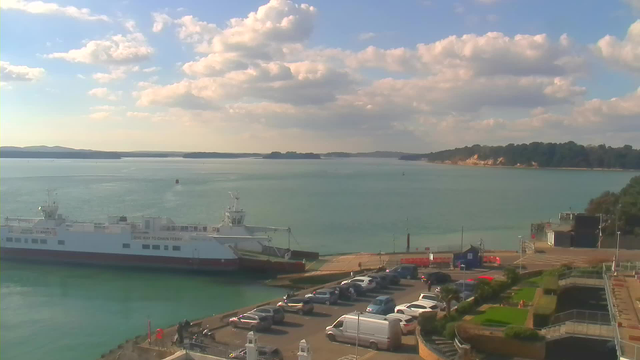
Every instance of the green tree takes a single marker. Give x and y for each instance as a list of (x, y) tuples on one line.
[(448, 294), (483, 290), (511, 275)]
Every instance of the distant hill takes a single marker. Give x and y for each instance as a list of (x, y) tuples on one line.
[(217, 155), (292, 155), (372, 154), (24, 154), (538, 154)]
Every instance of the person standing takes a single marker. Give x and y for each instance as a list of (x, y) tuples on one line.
[(429, 286)]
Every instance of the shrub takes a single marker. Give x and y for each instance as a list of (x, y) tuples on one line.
[(511, 275), (499, 286), (450, 331), (441, 324), (543, 310), (550, 285), (464, 308), (483, 291), (427, 322), (521, 333)]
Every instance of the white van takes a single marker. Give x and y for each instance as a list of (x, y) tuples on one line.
[(374, 331)]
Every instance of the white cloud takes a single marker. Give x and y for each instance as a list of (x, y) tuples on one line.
[(5, 85), (117, 49), (366, 36), (153, 79), (192, 30), (487, 2), (117, 73), (160, 21), (10, 72), (130, 25), (458, 8), (624, 54), (80, 76), (635, 4), (100, 115), (103, 108), (611, 111), (138, 114), (151, 69), (39, 7), (104, 93)]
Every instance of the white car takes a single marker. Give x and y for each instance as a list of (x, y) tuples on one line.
[(407, 323), (432, 297), (416, 307), (366, 282)]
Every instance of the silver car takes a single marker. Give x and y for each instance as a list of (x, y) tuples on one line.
[(254, 322), (275, 313)]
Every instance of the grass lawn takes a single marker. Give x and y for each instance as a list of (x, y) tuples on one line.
[(525, 294), (499, 315), (533, 282)]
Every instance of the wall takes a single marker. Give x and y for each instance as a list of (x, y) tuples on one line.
[(423, 349), (495, 343)]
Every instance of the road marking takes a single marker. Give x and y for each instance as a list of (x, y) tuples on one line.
[(552, 259)]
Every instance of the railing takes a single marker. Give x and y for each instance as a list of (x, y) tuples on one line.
[(579, 328), (595, 317), (460, 344), (626, 349)]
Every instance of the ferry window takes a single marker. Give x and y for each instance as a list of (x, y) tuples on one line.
[(166, 247), (9, 239), (155, 247), (43, 241), (127, 246), (176, 248), (146, 247), (18, 240), (34, 241), (204, 228), (60, 242), (147, 224)]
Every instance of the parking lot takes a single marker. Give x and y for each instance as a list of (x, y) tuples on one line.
[(311, 327)]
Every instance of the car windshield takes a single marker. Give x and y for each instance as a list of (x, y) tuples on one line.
[(294, 301), (377, 302)]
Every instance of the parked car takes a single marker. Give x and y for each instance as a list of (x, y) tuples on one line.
[(407, 271), (433, 297), (394, 279), (382, 305), (376, 331), (381, 283), (416, 307), (407, 323), (254, 322), (357, 287), (436, 278), (344, 292), (465, 286), (275, 313), (323, 296), (264, 353), (297, 305), (367, 283), (385, 278)]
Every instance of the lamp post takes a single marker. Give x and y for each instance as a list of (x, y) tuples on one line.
[(464, 278), (520, 237), (617, 246), (357, 334)]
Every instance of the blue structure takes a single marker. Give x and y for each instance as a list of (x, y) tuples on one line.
[(470, 258)]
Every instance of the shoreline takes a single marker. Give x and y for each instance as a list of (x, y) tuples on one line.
[(526, 167)]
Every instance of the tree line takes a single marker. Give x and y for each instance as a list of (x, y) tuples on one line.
[(621, 209), (561, 155)]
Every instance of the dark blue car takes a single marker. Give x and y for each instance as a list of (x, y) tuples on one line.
[(382, 305), (408, 271)]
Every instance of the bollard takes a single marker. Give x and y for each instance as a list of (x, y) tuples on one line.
[(252, 346), (304, 351)]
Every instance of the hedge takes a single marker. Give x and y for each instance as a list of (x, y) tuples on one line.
[(550, 285), (465, 307), (450, 331), (427, 321), (543, 310), (521, 333)]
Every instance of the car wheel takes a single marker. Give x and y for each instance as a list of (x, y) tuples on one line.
[(300, 312), (233, 324), (399, 312), (374, 346), (331, 337)]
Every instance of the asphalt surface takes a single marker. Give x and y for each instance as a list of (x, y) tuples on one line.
[(311, 327)]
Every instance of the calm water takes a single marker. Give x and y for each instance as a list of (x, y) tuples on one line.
[(332, 206)]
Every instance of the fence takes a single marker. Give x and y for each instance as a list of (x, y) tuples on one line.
[(593, 317)]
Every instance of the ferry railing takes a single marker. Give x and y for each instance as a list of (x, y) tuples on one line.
[(586, 316)]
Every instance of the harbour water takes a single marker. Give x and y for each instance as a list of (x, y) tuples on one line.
[(333, 206)]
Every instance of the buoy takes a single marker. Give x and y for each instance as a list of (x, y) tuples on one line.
[(177, 181), (159, 334)]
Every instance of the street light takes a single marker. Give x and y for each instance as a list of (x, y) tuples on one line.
[(618, 246), (520, 237), (357, 334), (464, 278)]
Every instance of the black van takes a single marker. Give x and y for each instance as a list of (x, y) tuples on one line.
[(407, 271)]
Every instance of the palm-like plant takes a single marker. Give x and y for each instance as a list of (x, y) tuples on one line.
[(449, 294)]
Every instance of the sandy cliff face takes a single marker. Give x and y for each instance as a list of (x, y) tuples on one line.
[(475, 161)]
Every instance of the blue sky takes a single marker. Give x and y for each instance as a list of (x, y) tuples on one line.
[(318, 75)]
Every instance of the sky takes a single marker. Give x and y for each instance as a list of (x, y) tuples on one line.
[(257, 76)]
